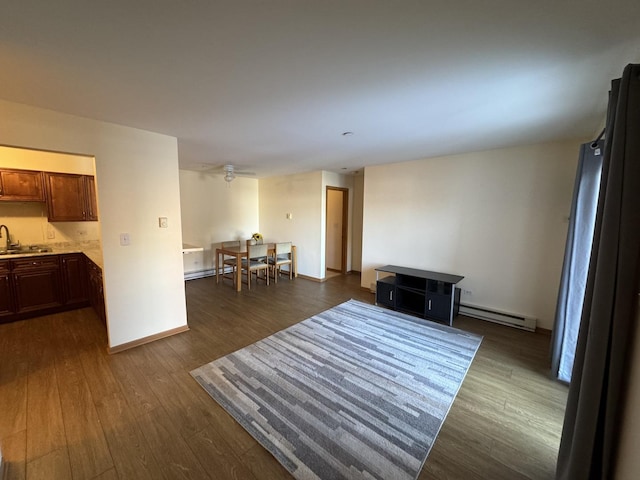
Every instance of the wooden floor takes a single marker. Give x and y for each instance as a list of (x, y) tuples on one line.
[(69, 410)]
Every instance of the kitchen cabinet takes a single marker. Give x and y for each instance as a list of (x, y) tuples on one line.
[(90, 199), (96, 290), (36, 283), (21, 186), (6, 299), (74, 278), (70, 197)]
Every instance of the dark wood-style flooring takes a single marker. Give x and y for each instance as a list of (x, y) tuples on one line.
[(70, 410)]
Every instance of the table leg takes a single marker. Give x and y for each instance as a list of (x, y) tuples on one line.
[(294, 260), (239, 272), (217, 270)]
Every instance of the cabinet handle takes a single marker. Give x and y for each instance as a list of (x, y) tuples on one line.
[(429, 304), (391, 295)]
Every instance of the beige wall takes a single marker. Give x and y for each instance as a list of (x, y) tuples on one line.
[(498, 217), (28, 220), (137, 182), (302, 196), (213, 212), (28, 159), (356, 227)]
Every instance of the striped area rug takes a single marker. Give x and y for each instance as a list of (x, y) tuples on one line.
[(355, 392)]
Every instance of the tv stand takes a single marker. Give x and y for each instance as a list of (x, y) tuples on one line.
[(431, 295)]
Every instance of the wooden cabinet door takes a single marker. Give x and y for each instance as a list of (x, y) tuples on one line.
[(6, 300), (74, 276), (21, 186), (96, 291), (91, 203), (65, 197), (36, 288)]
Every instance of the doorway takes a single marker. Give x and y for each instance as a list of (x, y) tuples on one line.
[(337, 221)]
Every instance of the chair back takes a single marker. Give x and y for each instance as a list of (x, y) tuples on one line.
[(257, 252), (283, 250), (231, 244)]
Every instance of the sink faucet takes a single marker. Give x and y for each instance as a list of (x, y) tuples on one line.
[(8, 238)]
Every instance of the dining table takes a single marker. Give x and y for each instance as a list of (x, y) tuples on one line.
[(241, 252)]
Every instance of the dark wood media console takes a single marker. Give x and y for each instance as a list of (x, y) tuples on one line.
[(431, 295)]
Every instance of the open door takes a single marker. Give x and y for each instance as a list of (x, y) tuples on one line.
[(337, 222)]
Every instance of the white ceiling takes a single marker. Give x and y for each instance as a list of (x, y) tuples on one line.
[(270, 85)]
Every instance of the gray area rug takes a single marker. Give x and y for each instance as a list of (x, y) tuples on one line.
[(355, 392)]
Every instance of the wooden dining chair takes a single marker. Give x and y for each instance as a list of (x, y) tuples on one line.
[(282, 257), (230, 261), (256, 261)]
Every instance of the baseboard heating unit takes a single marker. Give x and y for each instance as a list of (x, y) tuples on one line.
[(505, 318)]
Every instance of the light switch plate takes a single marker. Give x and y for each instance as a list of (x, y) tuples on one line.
[(163, 222), (125, 239)]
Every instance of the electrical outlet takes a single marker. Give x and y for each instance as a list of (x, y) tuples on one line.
[(467, 292), (51, 234)]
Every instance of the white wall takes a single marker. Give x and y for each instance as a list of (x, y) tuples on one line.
[(497, 217), (213, 212), (301, 195), (137, 182), (28, 220)]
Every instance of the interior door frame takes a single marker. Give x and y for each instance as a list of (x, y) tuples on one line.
[(345, 224)]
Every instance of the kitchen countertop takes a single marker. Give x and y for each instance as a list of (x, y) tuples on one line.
[(186, 248), (92, 249)]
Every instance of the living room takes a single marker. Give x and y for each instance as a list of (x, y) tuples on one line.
[(491, 205)]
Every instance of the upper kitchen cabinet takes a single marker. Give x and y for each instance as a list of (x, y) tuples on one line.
[(70, 197), (21, 186), (90, 198)]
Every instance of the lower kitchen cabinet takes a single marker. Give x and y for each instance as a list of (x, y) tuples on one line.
[(96, 290), (39, 285), (36, 283), (74, 275), (6, 299)]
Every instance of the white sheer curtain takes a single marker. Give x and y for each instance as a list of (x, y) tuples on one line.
[(576, 259)]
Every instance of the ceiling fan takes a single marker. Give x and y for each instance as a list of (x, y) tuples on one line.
[(229, 172)]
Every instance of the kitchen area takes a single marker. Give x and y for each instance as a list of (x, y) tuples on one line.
[(50, 248)]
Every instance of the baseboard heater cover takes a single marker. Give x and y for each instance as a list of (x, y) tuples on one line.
[(200, 274), (504, 318)]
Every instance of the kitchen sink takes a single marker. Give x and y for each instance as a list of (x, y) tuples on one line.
[(32, 249)]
